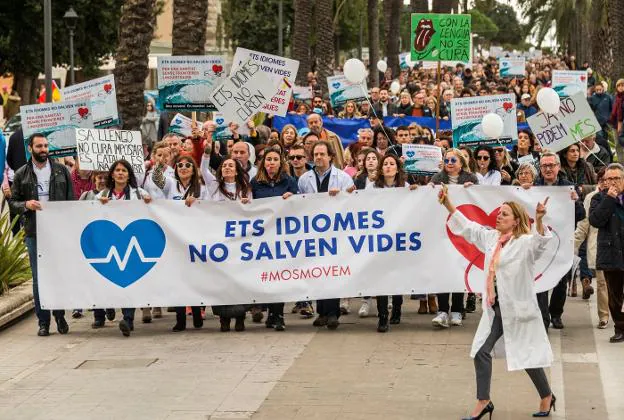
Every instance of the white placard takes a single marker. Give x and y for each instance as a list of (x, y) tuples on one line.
[(342, 90), (102, 95), (421, 159), (511, 67), (181, 125), (569, 82), (467, 114), (574, 122), (243, 93), (283, 72), (98, 149), (375, 242)]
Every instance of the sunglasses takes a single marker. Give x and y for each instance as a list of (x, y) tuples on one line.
[(296, 157), (483, 158), (498, 150), (186, 165), (451, 160)]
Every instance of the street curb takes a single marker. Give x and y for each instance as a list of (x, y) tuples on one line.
[(16, 303)]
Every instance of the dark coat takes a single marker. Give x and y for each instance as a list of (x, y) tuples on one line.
[(579, 209), (442, 177), (273, 189), (16, 153), (25, 188), (607, 215)]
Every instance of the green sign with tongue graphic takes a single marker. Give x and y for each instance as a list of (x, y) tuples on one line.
[(440, 37)]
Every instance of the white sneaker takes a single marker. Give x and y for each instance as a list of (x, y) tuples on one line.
[(456, 319), (441, 320), (365, 308), (390, 303), (344, 306)]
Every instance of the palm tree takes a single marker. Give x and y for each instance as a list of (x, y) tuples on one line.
[(373, 41), (419, 6), (392, 12), (136, 30), (443, 6), (616, 18), (601, 39), (301, 39), (324, 39), (189, 27)]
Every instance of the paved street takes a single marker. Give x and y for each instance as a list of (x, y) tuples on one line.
[(412, 372)]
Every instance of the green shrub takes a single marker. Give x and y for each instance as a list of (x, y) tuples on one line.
[(14, 263)]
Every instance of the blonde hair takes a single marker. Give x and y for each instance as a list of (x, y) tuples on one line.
[(519, 214), (458, 153)]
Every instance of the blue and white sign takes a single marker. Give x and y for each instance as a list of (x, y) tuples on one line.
[(102, 96), (468, 113), (512, 67), (181, 125), (568, 82), (421, 159), (342, 90)]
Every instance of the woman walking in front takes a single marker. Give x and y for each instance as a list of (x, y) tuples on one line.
[(510, 307)]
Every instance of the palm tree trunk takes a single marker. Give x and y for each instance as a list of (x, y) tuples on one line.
[(601, 41), (373, 41), (616, 18), (442, 6), (189, 27), (136, 30), (301, 39), (324, 40), (392, 11), (419, 6)]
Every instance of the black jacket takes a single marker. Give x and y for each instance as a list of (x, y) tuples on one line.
[(442, 177), (24, 188), (579, 209), (16, 153), (607, 215), (273, 189)]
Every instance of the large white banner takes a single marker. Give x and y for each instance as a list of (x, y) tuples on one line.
[(379, 242)]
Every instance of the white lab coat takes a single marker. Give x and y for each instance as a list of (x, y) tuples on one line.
[(525, 343), (338, 180)]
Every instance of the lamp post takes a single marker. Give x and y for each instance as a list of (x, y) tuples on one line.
[(47, 46), (71, 18)]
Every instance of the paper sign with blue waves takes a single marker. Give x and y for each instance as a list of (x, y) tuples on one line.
[(342, 90), (511, 67), (568, 82)]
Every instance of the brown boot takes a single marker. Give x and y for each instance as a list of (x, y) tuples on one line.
[(423, 307), (433, 306), (573, 290), (588, 290)]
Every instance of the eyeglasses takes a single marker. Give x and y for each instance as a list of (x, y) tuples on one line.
[(548, 165), (612, 179), (499, 150), (451, 160), (483, 158), (186, 165), (525, 173), (296, 157)]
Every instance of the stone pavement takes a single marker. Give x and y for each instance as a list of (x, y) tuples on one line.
[(412, 372)]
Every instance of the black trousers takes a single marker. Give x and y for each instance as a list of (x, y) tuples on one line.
[(276, 309), (181, 314), (382, 304), (328, 307), (457, 302), (615, 286)]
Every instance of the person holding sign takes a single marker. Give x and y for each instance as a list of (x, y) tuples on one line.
[(510, 307), (40, 180), (121, 184)]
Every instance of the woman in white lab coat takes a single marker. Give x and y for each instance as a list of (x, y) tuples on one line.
[(510, 305)]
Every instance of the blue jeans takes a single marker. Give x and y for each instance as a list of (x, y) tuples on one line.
[(42, 315)]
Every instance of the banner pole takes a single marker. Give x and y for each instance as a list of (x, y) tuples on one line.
[(439, 98)]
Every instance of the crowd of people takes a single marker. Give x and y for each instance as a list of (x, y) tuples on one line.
[(269, 162)]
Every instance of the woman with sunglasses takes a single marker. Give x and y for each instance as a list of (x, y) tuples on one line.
[(230, 182), (273, 180), (504, 164), (487, 172), (390, 175), (121, 184), (454, 171)]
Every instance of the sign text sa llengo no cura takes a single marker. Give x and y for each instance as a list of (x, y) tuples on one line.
[(244, 92)]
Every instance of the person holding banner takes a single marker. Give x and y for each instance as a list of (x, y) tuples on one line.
[(325, 177), (41, 179), (510, 307), (455, 171), (487, 172), (315, 124), (504, 164), (391, 175), (369, 173)]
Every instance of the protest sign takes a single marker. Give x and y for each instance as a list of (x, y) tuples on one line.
[(223, 131), (405, 61), (421, 159), (181, 125), (467, 113), (98, 149), (510, 67), (243, 93), (440, 37), (57, 121), (302, 92), (569, 82), (282, 71), (574, 122), (342, 90), (101, 94), (185, 82), (125, 254)]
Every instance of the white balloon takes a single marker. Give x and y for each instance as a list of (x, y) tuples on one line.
[(492, 125), (354, 70), (395, 87), (382, 66), (548, 100)]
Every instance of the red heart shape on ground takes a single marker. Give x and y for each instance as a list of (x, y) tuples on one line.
[(108, 87), (83, 112), (217, 68), (469, 251), (507, 106)]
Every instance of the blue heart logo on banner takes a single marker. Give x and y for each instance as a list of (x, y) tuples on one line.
[(123, 256), (336, 85), (410, 154), (178, 121), (220, 121)]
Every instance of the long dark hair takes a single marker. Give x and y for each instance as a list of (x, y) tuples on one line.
[(263, 175), (195, 184), (243, 187), (388, 133), (399, 178), (110, 181), (492, 162)]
